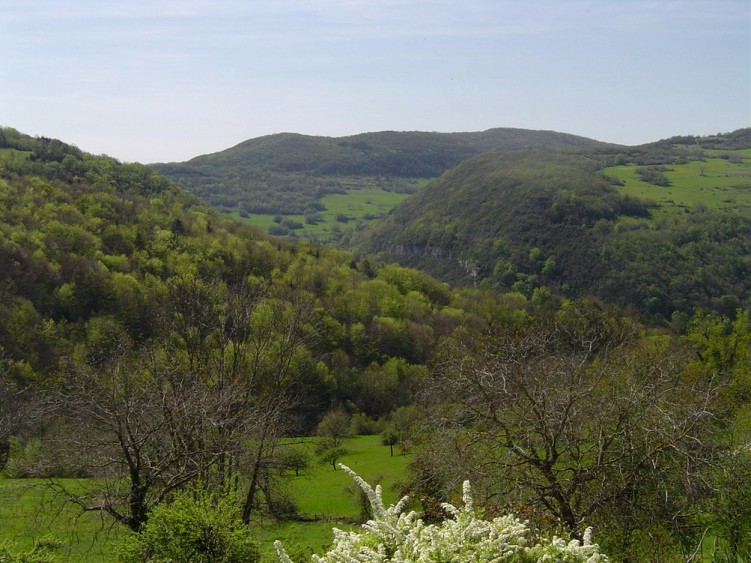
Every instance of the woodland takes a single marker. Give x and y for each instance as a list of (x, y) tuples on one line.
[(288, 173), (589, 369)]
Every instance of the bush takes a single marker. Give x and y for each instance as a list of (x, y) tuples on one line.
[(394, 536), (42, 552), (277, 230), (194, 527)]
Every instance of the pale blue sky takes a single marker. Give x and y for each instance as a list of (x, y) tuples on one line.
[(165, 80)]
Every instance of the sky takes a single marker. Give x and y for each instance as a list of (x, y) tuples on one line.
[(167, 80)]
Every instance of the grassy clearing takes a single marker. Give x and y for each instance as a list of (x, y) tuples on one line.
[(323, 493), (715, 182), (344, 212), (29, 509), (14, 155), (331, 496)]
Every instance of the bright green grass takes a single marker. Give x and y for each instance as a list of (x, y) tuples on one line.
[(355, 205), (323, 493), (329, 495), (714, 183), (30, 510), (298, 538), (14, 155)]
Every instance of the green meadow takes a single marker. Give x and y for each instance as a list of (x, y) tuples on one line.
[(342, 213), (29, 509), (14, 155), (722, 181)]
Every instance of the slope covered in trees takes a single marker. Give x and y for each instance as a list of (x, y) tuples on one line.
[(161, 348), (288, 173), (529, 219)]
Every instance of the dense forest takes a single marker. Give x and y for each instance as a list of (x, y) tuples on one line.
[(156, 346), (288, 173), (526, 220)]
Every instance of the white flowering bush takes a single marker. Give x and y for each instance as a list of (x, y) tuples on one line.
[(395, 536)]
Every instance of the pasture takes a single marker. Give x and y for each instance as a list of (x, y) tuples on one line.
[(31, 509), (721, 181), (342, 213)]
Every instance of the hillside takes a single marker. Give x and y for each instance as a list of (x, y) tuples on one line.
[(153, 350), (289, 174), (666, 227), (101, 256)]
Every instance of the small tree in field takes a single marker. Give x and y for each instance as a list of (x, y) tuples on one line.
[(332, 431)]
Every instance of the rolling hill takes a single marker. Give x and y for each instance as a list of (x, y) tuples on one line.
[(289, 174), (660, 227)]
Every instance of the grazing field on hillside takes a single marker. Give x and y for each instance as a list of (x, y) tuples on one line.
[(721, 181), (342, 213), (30, 510)]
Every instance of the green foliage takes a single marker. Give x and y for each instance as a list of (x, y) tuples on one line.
[(43, 551), (289, 173), (195, 526), (654, 176), (392, 535), (528, 220), (333, 429)]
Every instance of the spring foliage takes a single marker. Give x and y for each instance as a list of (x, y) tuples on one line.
[(395, 535)]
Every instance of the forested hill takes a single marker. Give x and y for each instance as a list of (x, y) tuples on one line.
[(660, 227), (102, 260), (288, 173)]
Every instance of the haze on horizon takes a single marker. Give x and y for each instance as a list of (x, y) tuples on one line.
[(167, 80)]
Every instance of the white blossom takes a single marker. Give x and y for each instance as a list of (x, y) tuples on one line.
[(393, 536)]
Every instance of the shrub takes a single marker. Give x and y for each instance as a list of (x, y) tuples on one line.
[(392, 535), (42, 552), (194, 527)]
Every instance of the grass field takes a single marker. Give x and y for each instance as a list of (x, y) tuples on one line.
[(29, 509), (14, 155), (323, 493), (344, 212), (715, 182)]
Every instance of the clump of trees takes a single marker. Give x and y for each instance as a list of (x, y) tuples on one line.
[(577, 420)]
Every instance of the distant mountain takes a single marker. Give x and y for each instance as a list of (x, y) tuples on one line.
[(667, 228), (288, 173)]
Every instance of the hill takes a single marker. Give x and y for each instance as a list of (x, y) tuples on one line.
[(290, 174), (660, 227), (152, 349), (100, 255)]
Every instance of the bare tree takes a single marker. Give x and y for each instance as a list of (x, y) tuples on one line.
[(207, 403), (577, 434), (143, 425)]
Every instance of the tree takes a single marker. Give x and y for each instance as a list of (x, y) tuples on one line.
[(623, 436), (332, 431), (401, 423), (206, 403), (143, 425), (293, 458)]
